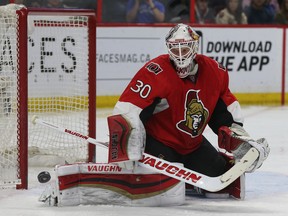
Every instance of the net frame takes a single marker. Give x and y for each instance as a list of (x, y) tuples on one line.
[(22, 87), (21, 165)]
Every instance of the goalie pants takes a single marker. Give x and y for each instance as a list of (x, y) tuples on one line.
[(206, 159)]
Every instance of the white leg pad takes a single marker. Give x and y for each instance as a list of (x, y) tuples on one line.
[(92, 184)]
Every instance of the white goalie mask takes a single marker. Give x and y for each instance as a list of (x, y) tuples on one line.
[(182, 43)]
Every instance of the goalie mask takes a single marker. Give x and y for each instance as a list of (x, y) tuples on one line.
[(182, 43)]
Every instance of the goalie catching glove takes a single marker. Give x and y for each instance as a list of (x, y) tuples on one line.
[(237, 141)]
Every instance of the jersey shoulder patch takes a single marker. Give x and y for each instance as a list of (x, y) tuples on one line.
[(154, 68)]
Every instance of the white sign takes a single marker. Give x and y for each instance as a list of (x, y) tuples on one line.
[(58, 61), (253, 56), (122, 51)]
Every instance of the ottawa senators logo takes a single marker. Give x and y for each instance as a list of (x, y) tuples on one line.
[(195, 115)]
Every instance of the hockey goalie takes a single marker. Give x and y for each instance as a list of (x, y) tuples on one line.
[(163, 112)]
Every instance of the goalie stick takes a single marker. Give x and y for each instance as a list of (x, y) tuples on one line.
[(212, 184)]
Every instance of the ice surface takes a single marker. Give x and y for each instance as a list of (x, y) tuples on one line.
[(266, 189)]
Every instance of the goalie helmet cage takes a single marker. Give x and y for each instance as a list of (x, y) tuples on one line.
[(61, 65)]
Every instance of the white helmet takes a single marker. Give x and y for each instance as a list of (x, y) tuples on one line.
[(182, 43)]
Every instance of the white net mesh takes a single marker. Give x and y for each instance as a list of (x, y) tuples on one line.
[(58, 84), (8, 95), (58, 89)]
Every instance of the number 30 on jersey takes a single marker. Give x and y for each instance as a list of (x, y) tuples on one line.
[(141, 88)]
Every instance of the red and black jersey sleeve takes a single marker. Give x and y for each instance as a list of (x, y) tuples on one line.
[(227, 109)]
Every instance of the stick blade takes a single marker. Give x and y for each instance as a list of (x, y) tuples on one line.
[(240, 167)]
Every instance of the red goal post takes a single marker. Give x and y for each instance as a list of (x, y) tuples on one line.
[(61, 64)]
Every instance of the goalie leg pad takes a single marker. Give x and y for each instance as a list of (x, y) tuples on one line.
[(235, 190), (92, 184)]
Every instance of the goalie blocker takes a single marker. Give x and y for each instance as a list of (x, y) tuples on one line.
[(119, 130), (126, 144)]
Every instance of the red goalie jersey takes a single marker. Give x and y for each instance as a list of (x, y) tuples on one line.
[(176, 111)]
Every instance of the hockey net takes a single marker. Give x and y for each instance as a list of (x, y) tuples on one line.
[(61, 87)]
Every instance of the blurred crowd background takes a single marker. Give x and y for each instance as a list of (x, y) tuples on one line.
[(172, 11)]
